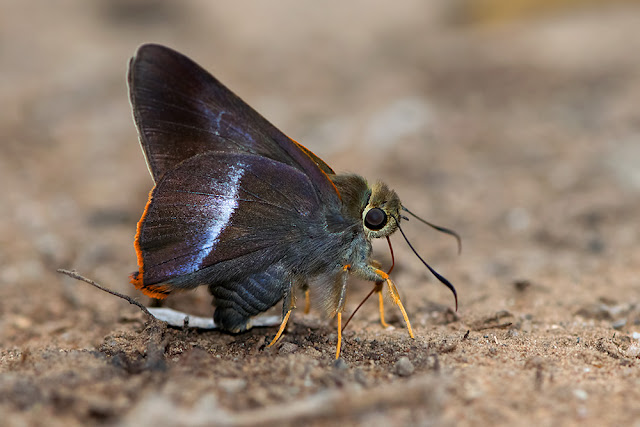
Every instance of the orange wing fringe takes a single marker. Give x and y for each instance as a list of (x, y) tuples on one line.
[(159, 291)]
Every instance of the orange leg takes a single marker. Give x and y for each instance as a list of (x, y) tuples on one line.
[(396, 299), (381, 305), (339, 335), (307, 302), (282, 326), (340, 306)]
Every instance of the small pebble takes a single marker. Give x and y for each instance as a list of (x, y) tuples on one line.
[(633, 351), (404, 367), (232, 385), (288, 348), (619, 324), (361, 377), (580, 394), (21, 322), (340, 364), (521, 285)]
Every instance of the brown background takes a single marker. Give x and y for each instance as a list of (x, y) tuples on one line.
[(516, 123)]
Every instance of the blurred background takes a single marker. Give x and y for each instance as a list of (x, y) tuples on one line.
[(514, 122)]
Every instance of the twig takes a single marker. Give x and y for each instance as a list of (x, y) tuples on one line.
[(172, 317), (74, 275)]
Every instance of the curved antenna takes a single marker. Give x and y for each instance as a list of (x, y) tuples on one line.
[(436, 227), (441, 278)]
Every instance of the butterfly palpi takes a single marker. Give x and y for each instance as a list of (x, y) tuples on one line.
[(240, 207)]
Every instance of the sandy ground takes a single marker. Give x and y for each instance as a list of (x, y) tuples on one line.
[(523, 135)]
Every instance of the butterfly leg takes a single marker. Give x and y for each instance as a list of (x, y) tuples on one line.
[(395, 296), (307, 298), (307, 302), (288, 304), (340, 306), (378, 290), (281, 330)]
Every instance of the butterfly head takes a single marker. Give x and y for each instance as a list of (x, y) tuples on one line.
[(381, 215)]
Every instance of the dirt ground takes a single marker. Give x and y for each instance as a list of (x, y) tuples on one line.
[(521, 133)]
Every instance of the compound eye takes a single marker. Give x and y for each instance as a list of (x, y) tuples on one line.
[(375, 219)]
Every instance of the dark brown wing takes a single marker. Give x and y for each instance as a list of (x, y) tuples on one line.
[(216, 207), (181, 110)]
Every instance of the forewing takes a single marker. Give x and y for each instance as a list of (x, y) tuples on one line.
[(216, 207), (181, 110)]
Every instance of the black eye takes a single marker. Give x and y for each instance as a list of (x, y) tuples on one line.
[(375, 219)]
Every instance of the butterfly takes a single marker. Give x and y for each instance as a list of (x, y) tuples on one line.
[(243, 209)]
